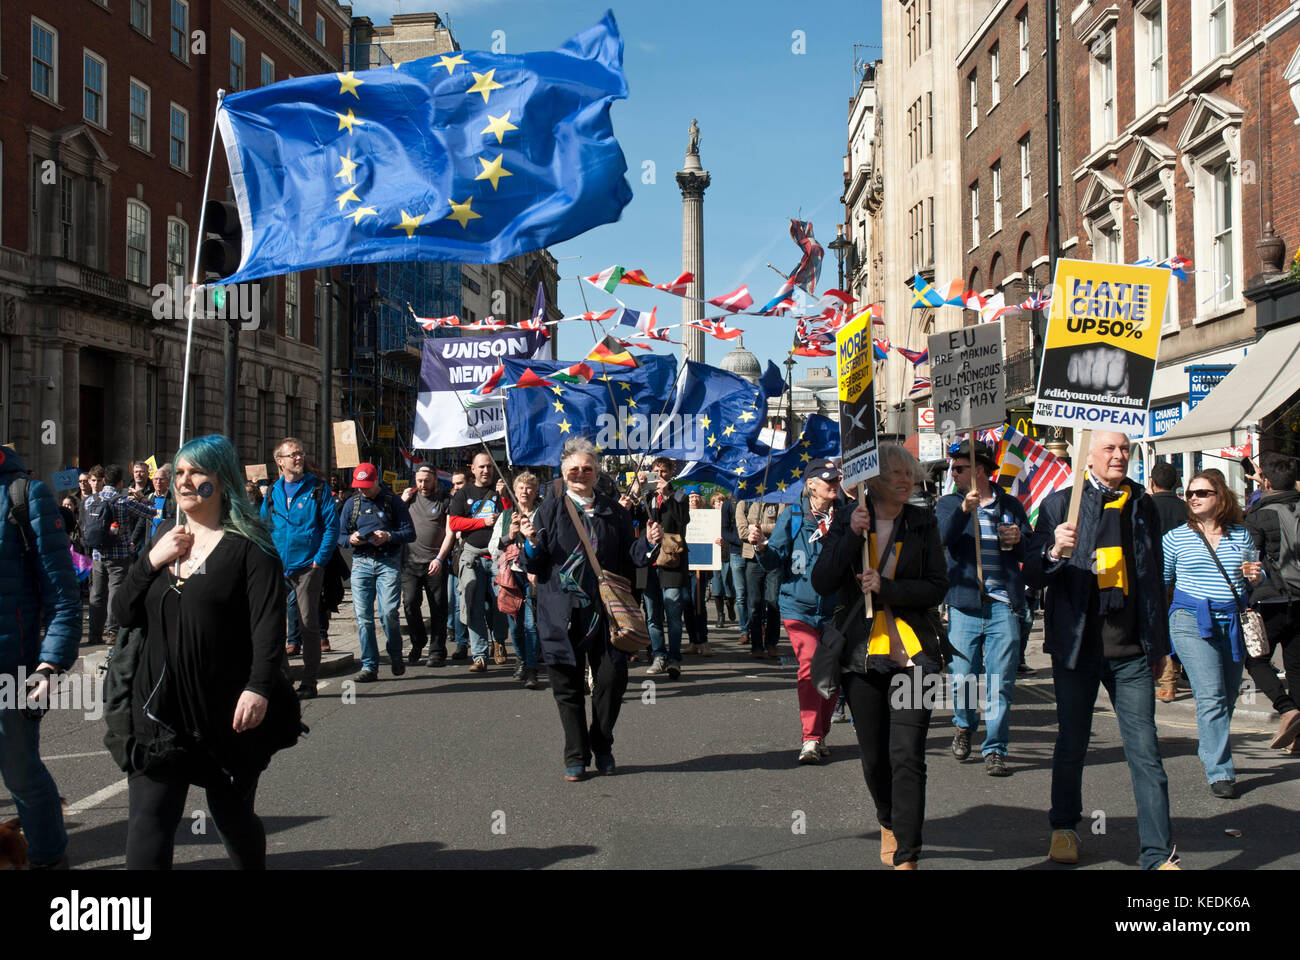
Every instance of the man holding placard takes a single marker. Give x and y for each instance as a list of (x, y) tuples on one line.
[(985, 599), (1105, 624)]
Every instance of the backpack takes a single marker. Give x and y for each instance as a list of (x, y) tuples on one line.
[(1288, 557), (387, 496), (20, 512), (98, 514)]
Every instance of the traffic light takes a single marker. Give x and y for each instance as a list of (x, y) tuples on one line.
[(220, 253)]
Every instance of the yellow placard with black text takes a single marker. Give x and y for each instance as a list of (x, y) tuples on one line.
[(853, 367), (1099, 354)]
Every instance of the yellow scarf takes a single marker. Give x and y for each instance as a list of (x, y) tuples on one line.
[(888, 633)]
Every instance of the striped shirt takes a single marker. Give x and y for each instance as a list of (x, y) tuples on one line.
[(1190, 564), (995, 584)]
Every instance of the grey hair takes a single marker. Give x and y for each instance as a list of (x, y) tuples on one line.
[(165, 470), (894, 457), (578, 446)]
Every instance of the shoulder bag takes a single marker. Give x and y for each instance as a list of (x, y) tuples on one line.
[(627, 626), (825, 667), (1252, 624)]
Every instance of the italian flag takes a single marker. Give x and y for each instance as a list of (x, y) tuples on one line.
[(608, 279)]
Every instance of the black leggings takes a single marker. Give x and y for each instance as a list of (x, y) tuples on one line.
[(157, 803), (891, 731)]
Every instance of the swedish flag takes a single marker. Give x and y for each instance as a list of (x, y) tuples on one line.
[(472, 157)]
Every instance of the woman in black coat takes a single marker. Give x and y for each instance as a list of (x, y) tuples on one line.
[(210, 700), (571, 622), (892, 668)]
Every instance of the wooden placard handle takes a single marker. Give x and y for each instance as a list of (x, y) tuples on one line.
[(1082, 441), (866, 553), (975, 515)]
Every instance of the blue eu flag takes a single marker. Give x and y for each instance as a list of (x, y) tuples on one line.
[(618, 411), (471, 157), (755, 472), (725, 411)]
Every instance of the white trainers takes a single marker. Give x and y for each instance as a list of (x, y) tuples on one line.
[(657, 666), (811, 752)]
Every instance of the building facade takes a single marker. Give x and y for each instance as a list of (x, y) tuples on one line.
[(1185, 145), (1002, 72), (918, 149), (106, 118)]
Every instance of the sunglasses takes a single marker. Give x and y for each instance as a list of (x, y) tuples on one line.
[(1200, 493), (960, 468)]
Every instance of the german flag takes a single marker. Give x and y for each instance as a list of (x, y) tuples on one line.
[(612, 352)]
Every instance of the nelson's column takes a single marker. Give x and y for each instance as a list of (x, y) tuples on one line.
[(693, 181)]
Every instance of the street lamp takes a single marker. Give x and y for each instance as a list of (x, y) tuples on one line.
[(789, 365), (840, 247)]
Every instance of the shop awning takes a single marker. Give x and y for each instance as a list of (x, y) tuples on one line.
[(1258, 385)]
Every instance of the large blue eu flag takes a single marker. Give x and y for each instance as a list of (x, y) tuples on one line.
[(469, 156)]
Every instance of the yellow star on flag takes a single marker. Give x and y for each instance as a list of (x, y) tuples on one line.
[(348, 121), (349, 194), (557, 390), (409, 223), (705, 422), (360, 212), (346, 166), (740, 469), (713, 441), (559, 407), (348, 83), (625, 385), (598, 448), (462, 214), (804, 458), (564, 426), (631, 403), (804, 443), (451, 63), (780, 488), (731, 428), (761, 490), (794, 474), (484, 84), (741, 486), (746, 416), (493, 171), (499, 126)]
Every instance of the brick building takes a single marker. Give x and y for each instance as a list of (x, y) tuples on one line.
[(1002, 74), (106, 113), (1185, 144)]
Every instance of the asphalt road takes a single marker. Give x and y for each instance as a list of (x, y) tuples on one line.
[(444, 769)]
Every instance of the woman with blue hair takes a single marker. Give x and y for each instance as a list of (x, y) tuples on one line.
[(210, 698)]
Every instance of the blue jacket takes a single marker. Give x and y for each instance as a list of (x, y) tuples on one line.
[(789, 551), (1070, 582), (303, 531), (36, 594), (958, 538)]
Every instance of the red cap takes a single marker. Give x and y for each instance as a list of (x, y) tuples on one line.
[(365, 475)]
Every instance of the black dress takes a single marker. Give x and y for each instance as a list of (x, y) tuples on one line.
[(211, 636)]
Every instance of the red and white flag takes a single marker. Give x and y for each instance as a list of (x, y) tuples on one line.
[(679, 286), (433, 323), (717, 328), (735, 301)]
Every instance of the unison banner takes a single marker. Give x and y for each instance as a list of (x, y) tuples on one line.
[(454, 365), (1100, 353)]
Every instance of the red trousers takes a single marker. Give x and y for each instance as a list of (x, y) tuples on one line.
[(814, 712)]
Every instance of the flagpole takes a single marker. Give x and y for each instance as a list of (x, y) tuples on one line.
[(194, 272), (464, 409), (613, 404)]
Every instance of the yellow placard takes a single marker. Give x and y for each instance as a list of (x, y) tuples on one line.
[(387, 431), (853, 358), (391, 478), (1099, 355), (152, 464)]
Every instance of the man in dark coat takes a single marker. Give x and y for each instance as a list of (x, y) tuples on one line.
[(1105, 624), (666, 590), (1169, 505)]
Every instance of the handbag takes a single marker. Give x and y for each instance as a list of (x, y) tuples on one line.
[(1252, 624), (510, 596), (627, 627), (825, 667)]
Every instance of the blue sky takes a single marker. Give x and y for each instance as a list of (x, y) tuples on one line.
[(773, 127)]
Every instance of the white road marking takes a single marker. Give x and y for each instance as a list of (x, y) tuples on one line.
[(77, 756), (96, 798)]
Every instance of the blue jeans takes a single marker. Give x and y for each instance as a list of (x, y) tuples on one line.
[(1215, 681), (985, 647), (1132, 694), (737, 564), (382, 575), (475, 593), (523, 632), (664, 603), (720, 584), (33, 789), (455, 624)]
